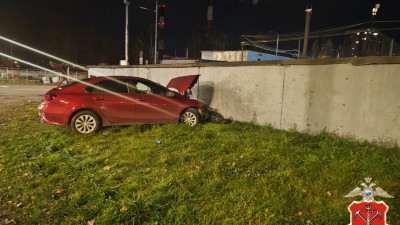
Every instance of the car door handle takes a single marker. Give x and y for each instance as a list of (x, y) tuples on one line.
[(141, 99), (98, 98)]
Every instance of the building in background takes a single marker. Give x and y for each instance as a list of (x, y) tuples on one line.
[(236, 56), (369, 42)]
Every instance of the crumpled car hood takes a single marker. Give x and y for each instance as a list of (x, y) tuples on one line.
[(183, 83)]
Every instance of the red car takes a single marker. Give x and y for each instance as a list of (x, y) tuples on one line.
[(98, 102)]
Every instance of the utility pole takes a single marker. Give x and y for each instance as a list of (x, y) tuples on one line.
[(126, 32), (308, 18), (210, 10)]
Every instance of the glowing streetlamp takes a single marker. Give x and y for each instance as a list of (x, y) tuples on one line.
[(374, 11)]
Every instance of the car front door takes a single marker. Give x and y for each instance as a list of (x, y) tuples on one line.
[(153, 105)]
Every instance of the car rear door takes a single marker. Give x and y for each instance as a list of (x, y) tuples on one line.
[(113, 100)]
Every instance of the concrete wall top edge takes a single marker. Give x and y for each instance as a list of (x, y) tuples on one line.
[(357, 61)]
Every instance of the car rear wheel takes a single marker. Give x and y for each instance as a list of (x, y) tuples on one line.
[(85, 122), (190, 117)]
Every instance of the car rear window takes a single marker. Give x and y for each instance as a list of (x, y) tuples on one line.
[(108, 85), (73, 83)]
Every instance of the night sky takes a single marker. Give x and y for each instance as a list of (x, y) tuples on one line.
[(90, 31)]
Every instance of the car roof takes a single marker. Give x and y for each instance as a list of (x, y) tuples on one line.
[(117, 77), (94, 79)]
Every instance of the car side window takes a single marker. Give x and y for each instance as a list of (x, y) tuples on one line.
[(143, 87), (132, 86), (110, 85), (149, 88)]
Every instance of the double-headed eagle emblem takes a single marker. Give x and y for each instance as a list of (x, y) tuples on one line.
[(368, 210), (368, 192)]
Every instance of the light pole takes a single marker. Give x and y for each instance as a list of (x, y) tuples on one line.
[(308, 18), (126, 32), (277, 41)]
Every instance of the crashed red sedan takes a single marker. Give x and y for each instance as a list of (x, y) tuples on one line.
[(97, 102)]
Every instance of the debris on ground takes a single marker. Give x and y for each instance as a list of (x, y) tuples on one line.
[(212, 116)]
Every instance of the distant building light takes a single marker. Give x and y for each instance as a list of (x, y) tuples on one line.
[(375, 34), (364, 39), (358, 33), (357, 42), (365, 32), (352, 48)]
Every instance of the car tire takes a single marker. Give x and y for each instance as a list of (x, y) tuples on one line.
[(190, 117), (85, 122)]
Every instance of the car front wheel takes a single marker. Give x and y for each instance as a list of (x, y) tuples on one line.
[(190, 117), (85, 122)]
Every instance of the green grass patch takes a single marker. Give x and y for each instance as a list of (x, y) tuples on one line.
[(211, 174)]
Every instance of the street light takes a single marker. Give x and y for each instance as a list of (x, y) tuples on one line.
[(307, 28), (374, 11)]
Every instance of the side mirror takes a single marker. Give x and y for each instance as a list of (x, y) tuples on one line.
[(170, 94)]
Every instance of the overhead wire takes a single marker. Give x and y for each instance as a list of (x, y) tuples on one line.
[(300, 34), (257, 40)]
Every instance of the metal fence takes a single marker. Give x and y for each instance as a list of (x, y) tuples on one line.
[(36, 76)]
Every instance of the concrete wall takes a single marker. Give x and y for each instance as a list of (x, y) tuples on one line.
[(354, 97)]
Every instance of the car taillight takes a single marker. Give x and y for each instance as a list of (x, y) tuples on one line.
[(50, 97)]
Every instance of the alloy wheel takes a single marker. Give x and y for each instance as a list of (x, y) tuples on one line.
[(85, 124), (189, 118)]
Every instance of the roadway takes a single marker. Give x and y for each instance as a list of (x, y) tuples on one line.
[(15, 93)]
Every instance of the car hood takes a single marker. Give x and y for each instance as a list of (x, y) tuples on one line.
[(183, 83)]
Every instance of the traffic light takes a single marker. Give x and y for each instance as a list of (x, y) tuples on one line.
[(161, 15)]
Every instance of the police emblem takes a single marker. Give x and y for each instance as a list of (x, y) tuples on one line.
[(368, 211)]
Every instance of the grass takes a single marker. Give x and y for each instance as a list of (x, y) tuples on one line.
[(211, 174)]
